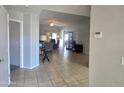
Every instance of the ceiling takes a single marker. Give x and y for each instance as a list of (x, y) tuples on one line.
[(62, 15), (60, 19), (71, 9)]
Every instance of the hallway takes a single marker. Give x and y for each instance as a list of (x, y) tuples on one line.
[(66, 69)]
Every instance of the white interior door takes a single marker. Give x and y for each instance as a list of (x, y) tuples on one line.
[(4, 72), (14, 35)]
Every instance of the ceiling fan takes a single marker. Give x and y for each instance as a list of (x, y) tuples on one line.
[(56, 23)]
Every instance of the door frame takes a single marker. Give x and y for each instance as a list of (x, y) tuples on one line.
[(21, 40)]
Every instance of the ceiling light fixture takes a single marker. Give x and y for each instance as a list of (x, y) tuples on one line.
[(26, 5), (52, 24)]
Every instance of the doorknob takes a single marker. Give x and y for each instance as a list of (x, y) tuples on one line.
[(1, 60)]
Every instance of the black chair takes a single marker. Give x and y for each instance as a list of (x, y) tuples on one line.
[(57, 45), (53, 41), (45, 55), (79, 48), (73, 45), (44, 52)]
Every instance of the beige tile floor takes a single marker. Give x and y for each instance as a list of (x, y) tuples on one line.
[(66, 69)]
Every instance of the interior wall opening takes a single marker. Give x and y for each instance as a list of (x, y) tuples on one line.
[(66, 45)]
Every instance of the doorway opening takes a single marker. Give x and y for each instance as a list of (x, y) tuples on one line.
[(68, 39), (15, 44), (70, 60), (54, 36)]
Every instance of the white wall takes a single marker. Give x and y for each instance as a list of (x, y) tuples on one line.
[(4, 48), (105, 53), (15, 14), (34, 40), (26, 41), (31, 40), (84, 35)]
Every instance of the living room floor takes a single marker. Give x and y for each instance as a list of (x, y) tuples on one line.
[(65, 69)]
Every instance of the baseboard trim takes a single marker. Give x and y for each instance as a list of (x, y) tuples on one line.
[(31, 67), (34, 66)]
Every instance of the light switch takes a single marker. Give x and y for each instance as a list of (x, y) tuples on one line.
[(122, 61), (98, 35)]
